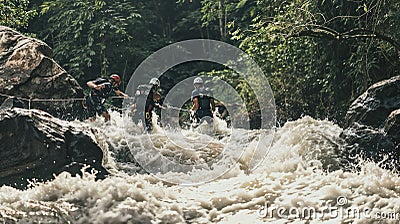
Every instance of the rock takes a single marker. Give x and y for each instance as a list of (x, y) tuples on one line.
[(374, 106), (372, 126), (392, 126), (368, 143), (33, 144), (27, 71), (11, 102)]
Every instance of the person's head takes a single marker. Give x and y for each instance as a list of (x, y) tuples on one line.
[(115, 80), (155, 83), (197, 82)]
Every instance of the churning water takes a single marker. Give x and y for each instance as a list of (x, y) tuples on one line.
[(298, 182)]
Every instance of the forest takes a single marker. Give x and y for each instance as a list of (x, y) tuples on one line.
[(318, 56)]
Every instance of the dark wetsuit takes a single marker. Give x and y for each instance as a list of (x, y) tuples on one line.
[(145, 105), (204, 96), (96, 98)]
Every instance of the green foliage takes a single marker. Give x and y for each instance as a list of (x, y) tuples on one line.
[(224, 16), (86, 33), (310, 70), (317, 55), (15, 13), (234, 79)]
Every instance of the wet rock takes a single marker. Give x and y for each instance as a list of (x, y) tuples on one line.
[(11, 102), (372, 126), (374, 106), (35, 145), (368, 143), (392, 126), (27, 71)]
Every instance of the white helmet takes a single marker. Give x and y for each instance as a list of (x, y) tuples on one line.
[(198, 80), (154, 82)]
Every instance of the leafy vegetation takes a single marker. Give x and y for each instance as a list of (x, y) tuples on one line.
[(317, 55), (15, 13), (83, 32)]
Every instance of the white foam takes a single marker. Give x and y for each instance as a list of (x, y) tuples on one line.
[(290, 178)]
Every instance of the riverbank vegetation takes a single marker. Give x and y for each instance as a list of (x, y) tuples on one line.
[(318, 56)]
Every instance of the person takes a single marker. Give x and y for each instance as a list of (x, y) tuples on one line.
[(101, 89), (203, 102), (147, 98)]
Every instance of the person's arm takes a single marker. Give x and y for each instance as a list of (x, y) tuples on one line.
[(119, 93), (195, 104), (93, 85), (158, 101)]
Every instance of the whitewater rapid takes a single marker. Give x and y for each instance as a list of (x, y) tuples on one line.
[(299, 181)]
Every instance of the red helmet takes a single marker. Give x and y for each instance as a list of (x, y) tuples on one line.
[(116, 78)]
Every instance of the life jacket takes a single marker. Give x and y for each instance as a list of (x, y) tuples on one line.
[(143, 96), (99, 96), (204, 96)]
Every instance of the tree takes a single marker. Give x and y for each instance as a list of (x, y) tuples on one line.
[(318, 56), (15, 13), (221, 17), (86, 34)]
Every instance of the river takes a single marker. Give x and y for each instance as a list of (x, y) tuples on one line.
[(299, 181)]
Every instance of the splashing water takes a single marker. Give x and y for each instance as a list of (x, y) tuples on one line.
[(300, 181)]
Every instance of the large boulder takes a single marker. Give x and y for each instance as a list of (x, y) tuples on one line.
[(374, 106), (35, 145), (392, 126), (372, 125), (28, 72)]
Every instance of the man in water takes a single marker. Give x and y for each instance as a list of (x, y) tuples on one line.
[(149, 97), (203, 102), (101, 89)]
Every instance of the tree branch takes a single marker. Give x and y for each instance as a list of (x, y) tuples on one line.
[(328, 33)]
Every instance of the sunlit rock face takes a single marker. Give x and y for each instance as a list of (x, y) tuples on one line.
[(35, 145), (372, 122), (28, 71)]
